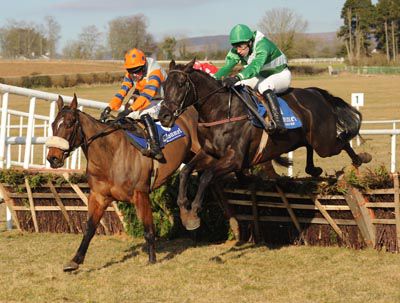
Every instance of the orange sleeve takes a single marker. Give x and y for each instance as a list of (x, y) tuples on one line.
[(116, 101), (148, 89)]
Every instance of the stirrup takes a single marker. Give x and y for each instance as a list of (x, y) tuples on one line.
[(156, 153)]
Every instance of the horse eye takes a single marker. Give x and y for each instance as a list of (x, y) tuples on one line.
[(181, 84)]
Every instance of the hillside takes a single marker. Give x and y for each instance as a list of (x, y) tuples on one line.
[(221, 42)]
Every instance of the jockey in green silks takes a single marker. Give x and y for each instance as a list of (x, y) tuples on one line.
[(265, 68)]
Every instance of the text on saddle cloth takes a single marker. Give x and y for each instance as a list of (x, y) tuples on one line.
[(165, 134)]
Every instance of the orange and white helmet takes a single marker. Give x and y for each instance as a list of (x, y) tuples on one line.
[(134, 58)]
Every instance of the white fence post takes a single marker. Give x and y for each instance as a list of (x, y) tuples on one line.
[(393, 151), (9, 219), (29, 132), (4, 107)]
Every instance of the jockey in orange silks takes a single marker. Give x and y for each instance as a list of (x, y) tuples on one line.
[(145, 76)]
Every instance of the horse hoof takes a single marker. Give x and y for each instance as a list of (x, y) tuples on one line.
[(193, 223), (365, 157), (70, 266), (314, 171)]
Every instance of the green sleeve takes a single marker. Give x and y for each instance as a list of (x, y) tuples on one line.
[(230, 61), (254, 68)]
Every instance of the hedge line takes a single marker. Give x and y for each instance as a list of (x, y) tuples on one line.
[(70, 80), (67, 80)]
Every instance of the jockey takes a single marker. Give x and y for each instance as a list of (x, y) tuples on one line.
[(145, 75), (265, 68)]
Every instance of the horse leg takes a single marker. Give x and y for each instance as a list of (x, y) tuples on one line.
[(357, 159), (95, 213), (183, 201), (222, 166), (311, 169), (141, 201)]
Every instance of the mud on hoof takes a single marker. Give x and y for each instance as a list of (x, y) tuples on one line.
[(314, 171), (70, 266)]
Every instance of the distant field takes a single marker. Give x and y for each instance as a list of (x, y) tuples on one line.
[(14, 68)]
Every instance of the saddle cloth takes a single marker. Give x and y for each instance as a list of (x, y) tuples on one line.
[(289, 117), (166, 135)]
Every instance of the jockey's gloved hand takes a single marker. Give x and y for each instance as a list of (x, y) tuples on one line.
[(230, 81), (105, 114), (124, 113)]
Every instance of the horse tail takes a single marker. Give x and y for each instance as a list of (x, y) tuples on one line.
[(283, 161), (348, 118)]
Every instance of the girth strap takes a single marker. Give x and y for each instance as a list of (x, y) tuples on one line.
[(219, 122)]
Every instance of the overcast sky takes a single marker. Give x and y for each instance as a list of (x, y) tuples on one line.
[(187, 18)]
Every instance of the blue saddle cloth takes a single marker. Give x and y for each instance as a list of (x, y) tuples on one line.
[(289, 117), (166, 135)]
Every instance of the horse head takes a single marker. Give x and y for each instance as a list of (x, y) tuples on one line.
[(67, 133), (179, 92)]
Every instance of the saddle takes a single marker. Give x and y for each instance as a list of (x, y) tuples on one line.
[(138, 137), (258, 102)]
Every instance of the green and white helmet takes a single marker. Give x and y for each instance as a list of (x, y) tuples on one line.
[(240, 33)]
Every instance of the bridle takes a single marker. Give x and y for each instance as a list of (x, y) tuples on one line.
[(189, 85), (77, 129)]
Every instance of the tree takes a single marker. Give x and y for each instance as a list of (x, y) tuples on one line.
[(86, 47), (359, 21), (281, 25), (22, 39), (388, 20), (52, 28), (167, 46), (125, 33)]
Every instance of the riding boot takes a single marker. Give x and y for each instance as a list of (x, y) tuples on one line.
[(278, 126), (155, 149)]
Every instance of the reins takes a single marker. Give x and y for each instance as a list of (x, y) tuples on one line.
[(182, 106), (112, 127)]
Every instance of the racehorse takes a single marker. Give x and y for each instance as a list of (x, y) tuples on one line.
[(226, 134), (115, 169)]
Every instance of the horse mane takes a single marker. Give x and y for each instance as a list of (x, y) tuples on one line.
[(198, 71)]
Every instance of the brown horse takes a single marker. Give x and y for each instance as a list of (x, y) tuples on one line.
[(328, 123), (115, 169)]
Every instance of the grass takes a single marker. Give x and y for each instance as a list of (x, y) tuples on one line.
[(116, 270)]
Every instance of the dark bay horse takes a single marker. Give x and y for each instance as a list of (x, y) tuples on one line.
[(328, 123), (115, 169)]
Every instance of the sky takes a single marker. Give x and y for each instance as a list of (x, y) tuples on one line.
[(179, 18)]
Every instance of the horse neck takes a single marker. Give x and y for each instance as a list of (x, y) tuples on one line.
[(91, 127), (217, 104)]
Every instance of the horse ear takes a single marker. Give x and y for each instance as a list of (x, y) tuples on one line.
[(74, 103), (189, 66), (60, 103), (172, 64)]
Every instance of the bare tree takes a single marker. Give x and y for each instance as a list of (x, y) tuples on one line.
[(281, 25), (88, 45), (52, 29), (127, 32), (22, 39)]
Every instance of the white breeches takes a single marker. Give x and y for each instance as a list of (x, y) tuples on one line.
[(153, 109), (278, 83)]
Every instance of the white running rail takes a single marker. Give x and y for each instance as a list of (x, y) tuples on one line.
[(29, 124)]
